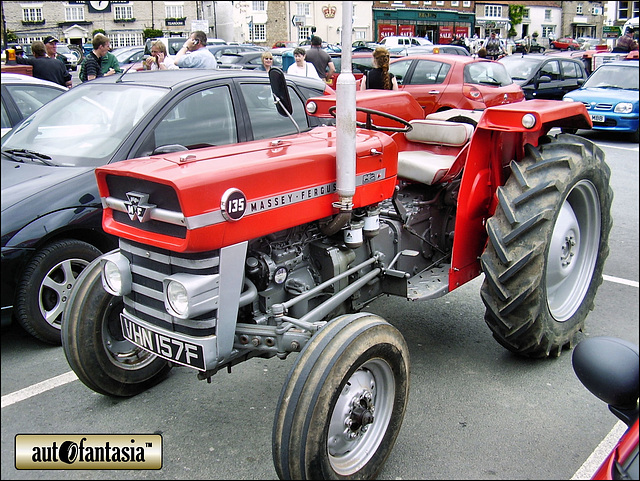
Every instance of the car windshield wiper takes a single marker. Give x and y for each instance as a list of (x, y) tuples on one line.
[(489, 82), (20, 154)]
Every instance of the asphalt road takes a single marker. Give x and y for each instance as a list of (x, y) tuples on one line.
[(475, 410)]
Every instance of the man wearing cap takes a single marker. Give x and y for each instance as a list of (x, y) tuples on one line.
[(51, 47), (44, 67), (626, 43)]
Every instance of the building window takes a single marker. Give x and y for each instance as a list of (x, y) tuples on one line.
[(455, 4), (259, 32), (440, 4), (579, 9), (360, 34), (122, 12), (427, 3), (466, 4), (74, 13), (258, 6), (125, 39), (304, 33), (547, 15), (174, 11), (32, 14), (627, 10), (526, 13), (548, 31), (493, 10), (304, 9)]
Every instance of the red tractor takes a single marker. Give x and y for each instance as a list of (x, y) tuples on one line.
[(277, 246)]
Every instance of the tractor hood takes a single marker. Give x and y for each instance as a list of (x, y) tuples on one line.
[(209, 198)]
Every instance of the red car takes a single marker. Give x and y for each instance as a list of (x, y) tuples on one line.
[(440, 82), (565, 43)]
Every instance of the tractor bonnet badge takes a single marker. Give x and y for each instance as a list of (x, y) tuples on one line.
[(137, 206), (233, 204)]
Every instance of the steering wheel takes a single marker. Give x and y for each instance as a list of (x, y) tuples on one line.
[(371, 126)]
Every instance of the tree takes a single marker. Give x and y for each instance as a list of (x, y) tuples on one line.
[(516, 14)]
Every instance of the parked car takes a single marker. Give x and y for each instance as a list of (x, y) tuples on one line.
[(128, 55), (71, 56), (565, 43), (248, 60), (51, 208), (400, 41), (430, 49), (22, 95), (285, 44), (364, 46), (174, 44), (219, 50), (611, 97), (327, 47), (455, 81), (545, 77), (534, 46), (608, 368)]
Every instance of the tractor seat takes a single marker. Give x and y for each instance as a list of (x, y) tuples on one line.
[(427, 166)]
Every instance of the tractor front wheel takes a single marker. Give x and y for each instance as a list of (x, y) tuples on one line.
[(548, 242), (342, 405)]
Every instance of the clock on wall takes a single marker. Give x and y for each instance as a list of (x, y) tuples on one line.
[(98, 7)]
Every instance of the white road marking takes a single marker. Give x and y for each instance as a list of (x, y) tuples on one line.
[(620, 281), (44, 386), (593, 462)]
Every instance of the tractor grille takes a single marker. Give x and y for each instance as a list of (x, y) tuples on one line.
[(160, 195), (149, 266)]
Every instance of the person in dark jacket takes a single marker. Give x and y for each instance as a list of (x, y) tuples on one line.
[(379, 76), (44, 67), (320, 59)]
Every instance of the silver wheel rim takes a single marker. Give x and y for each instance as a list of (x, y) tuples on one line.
[(573, 251), (55, 289), (361, 416), (121, 352)]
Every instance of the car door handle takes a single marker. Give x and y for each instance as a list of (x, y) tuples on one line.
[(433, 92)]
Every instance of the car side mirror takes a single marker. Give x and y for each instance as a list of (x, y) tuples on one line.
[(544, 79), (280, 91), (581, 81)]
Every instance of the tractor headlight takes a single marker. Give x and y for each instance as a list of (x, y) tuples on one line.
[(177, 298), (528, 121), (116, 274), (187, 296), (311, 107), (623, 108)]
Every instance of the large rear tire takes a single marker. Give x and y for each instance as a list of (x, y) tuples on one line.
[(95, 347), (548, 242), (342, 405)]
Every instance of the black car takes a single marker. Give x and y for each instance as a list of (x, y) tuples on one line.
[(545, 77), (51, 208), (248, 60)]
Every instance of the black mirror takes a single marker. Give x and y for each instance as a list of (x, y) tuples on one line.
[(544, 79), (280, 91)]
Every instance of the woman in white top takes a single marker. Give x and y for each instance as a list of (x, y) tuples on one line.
[(302, 68), (159, 60)]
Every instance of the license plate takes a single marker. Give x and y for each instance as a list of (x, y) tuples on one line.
[(597, 118), (159, 343)]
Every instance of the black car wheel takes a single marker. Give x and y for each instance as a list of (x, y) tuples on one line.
[(46, 285)]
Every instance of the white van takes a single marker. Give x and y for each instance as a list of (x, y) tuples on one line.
[(397, 41)]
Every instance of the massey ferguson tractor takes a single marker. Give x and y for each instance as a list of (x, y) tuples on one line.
[(277, 246)]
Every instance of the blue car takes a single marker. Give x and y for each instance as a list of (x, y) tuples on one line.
[(611, 97)]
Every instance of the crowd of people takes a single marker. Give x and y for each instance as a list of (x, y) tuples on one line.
[(314, 63)]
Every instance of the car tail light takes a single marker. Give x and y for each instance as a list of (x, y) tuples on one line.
[(472, 93)]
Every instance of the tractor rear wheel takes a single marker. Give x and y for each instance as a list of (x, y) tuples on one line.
[(342, 405), (548, 242)]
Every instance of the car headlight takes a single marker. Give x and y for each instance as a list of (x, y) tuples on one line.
[(311, 107), (187, 296), (567, 99), (623, 108), (116, 274)]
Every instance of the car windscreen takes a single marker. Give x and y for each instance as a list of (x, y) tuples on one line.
[(520, 68), (487, 73), (86, 125), (614, 77)]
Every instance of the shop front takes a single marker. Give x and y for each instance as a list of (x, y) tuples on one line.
[(438, 26)]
